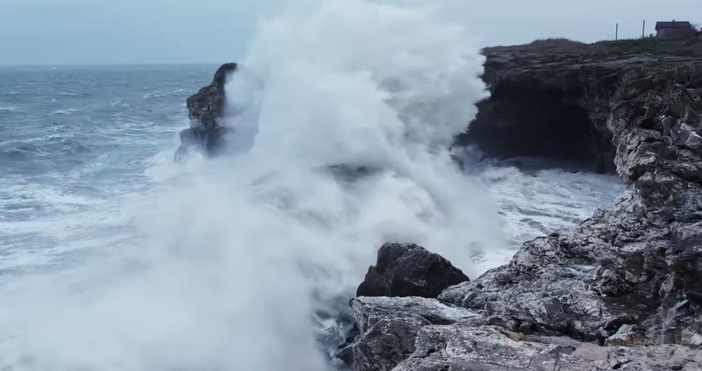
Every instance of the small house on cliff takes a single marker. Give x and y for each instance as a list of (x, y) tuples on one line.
[(675, 30)]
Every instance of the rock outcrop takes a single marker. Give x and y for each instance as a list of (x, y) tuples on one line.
[(209, 112), (609, 293), (409, 270), (632, 264), (488, 348), (389, 326), (421, 334), (554, 98), (207, 107), (206, 111)]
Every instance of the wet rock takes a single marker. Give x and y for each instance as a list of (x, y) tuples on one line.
[(628, 335), (345, 351), (668, 357), (619, 291), (207, 107), (631, 264), (419, 334), (409, 270), (559, 104), (488, 348), (388, 327), (210, 114)]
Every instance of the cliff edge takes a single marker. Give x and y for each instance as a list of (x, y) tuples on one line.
[(620, 289), (216, 124)]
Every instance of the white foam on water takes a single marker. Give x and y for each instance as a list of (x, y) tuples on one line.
[(535, 203), (66, 111), (234, 254)]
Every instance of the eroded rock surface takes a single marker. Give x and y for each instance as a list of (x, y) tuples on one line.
[(631, 264), (487, 348), (207, 107), (557, 101), (388, 327), (420, 334), (620, 291), (209, 113)]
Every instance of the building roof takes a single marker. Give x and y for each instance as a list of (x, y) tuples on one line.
[(673, 24)]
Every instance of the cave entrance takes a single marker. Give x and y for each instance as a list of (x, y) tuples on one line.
[(521, 121)]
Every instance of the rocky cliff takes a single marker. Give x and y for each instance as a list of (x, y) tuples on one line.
[(206, 111), (556, 98), (618, 291), (211, 116)]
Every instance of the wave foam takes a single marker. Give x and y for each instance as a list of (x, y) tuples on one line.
[(239, 252)]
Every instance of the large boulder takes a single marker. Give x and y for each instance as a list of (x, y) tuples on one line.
[(409, 270)]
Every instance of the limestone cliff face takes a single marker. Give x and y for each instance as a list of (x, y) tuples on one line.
[(559, 103), (628, 276), (626, 265), (206, 111), (629, 264)]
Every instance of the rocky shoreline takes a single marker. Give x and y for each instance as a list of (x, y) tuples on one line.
[(618, 291)]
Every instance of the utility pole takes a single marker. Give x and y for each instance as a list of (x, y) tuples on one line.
[(616, 33), (643, 30)]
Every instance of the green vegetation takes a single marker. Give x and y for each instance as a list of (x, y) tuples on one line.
[(691, 47), (686, 48)]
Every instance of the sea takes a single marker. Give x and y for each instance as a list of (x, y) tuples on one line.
[(115, 257)]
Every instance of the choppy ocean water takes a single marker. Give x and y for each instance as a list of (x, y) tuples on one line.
[(73, 142), (83, 148)]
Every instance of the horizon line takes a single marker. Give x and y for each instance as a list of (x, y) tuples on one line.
[(108, 64)]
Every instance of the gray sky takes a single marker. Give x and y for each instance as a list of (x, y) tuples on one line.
[(213, 31)]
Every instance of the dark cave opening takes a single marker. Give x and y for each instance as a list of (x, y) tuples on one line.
[(520, 120)]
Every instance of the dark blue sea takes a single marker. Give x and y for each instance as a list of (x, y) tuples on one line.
[(73, 140)]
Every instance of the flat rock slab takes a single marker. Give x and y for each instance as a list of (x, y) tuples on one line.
[(388, 327), (463, 348)]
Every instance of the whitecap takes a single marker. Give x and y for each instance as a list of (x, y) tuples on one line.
[(63, 112), (230, 251)]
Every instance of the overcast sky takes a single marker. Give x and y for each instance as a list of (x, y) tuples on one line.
[(52, 32)]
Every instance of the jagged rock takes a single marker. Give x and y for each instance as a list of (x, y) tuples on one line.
[(207, 107), (419, 334), (628, 335), (608, 293), (209, 112), (409, 270), (388, 327), (557, 102), (486, 348), (632, 264), (617, 268)]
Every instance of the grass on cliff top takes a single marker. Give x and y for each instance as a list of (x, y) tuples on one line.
[(685, 48)]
